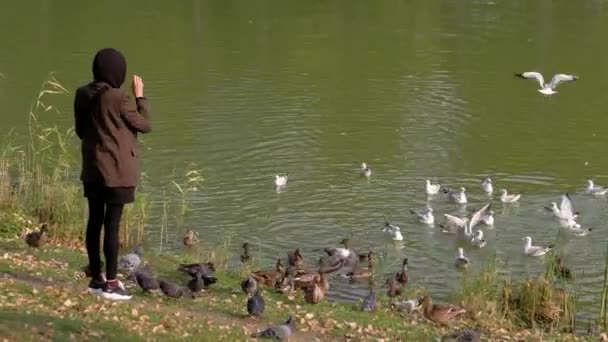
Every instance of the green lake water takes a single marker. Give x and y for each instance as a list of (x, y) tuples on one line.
[(417, 89)]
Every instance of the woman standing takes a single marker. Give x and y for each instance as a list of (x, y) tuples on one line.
[(107, 124)]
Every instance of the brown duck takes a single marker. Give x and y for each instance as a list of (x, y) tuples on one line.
[(190, 238), (314, 293), (402, 276), (270, 277), (561, 270), (307, 280), (295, 259), (363, 272), (394, 287), (439, 313), (245, 257), (37, 239)]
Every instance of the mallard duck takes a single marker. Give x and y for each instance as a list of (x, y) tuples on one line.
[(256, 305), (205, 268), (330, 263), (295, 259), (439, 313), (561, 270), (394, 287), (369, 302), (37, 239), (245, 257), (190, 238), (131, 260), (314, 293), (269, 277), (465, 335), (279, 332), (363, 273), (249, 286), (285, 285), (308, 279), (403, 277)]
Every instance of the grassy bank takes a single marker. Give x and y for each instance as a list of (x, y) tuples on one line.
[(43, 295)]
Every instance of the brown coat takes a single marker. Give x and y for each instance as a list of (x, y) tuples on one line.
[(107, 125)]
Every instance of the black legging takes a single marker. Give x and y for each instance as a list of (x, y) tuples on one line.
[(107, 215)]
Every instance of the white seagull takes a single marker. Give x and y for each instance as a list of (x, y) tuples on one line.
[(478, 240), (595, 189), (394, 230), (565, 213), (457, 196), (508, 198), (280, 181), (465, 225), (366, 170), (425, 216), (486, 186), (461, 260), (547, 88), (530, 250), (431, 189), (488, 218)]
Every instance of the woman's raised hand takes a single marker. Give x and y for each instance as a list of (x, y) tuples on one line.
[(138, 86)]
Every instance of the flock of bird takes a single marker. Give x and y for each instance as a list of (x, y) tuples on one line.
[(315, 284)]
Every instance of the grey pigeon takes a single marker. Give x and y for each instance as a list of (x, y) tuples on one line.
[(255, 304), (205, 268), (172, 290), (465, 335), (146, 281), (369, 302), (249, 286), (279, 332), (130, 261)]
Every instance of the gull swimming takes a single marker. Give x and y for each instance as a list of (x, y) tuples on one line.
[(463, 224), (425, 216), (478, 240), (457, 196), (486, 186), (508, 198), (580, 231), (461, 260), (366, 170), (595, 189), (565, 212), (535, 251), (394, 230), (432, 189), (547, 88), (488, 218), (280, 181)]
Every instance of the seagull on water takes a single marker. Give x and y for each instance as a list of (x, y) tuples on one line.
[(486, 186), (461, 260), (547, 88), (535, 251), (478, 240), (432, 189), (280, 181), (393, 229), (457, 196), (565, 213), (595, 189), (366, 170), (488, 218), (465, 225), (425, 216), (506, 198)]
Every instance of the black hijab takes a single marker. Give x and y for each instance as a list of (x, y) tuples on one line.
[(110, 66)]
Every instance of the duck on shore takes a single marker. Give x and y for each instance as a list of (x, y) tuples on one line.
[(38, 238)]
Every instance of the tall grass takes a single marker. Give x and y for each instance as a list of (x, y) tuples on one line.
[(39, 174), (535, 302), (604, 299)]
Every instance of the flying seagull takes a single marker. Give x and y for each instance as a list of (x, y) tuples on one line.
[(547, 88)]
